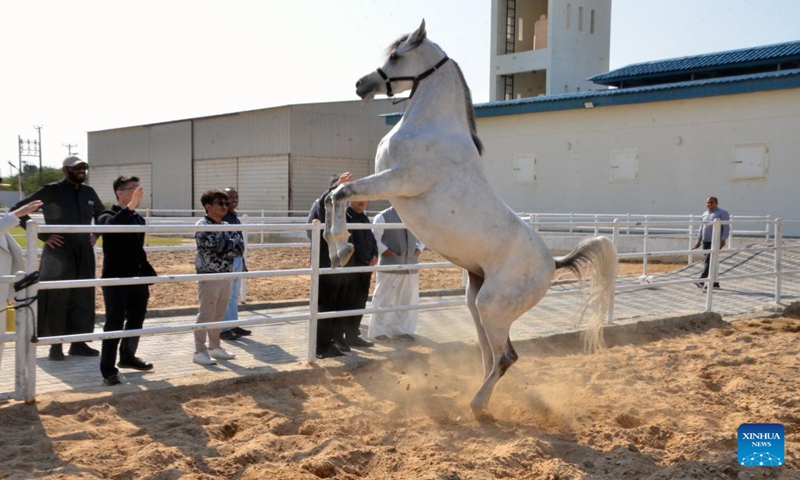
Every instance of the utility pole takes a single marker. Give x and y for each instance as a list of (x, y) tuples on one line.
[(69, 148), (39, 128), (30, 148), (19, 178)]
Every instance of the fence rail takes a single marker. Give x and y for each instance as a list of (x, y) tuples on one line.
[(26, 341)]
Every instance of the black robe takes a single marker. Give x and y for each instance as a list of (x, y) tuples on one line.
[(66, 311)]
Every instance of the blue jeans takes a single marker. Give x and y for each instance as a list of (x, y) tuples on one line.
[(232, 313)]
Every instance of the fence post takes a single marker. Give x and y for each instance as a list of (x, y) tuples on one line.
[(313, 298), (147, 213), (644, 247), (628, 219), (596, 219), (262, 231), (242, 293), (729, 242), (20, 353), (571, 220), (691, 239), (766, 228), (28, 315), (778, 260), (615, 233), (714, 262), (536, 222)]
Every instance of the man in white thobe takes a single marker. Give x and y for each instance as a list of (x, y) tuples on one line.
[(395, 247)]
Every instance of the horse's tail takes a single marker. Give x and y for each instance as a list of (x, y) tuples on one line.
[(599, 257)]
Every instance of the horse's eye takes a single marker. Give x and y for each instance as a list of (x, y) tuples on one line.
[(393, 57)]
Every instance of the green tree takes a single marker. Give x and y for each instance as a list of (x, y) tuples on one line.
[(30, 181)]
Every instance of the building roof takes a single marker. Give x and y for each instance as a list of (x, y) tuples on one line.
[(781, 56)]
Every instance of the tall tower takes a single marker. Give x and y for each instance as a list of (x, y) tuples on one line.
[(546, 47)]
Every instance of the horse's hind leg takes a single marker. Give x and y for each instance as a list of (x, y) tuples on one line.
[(473, 287), (497, 308)]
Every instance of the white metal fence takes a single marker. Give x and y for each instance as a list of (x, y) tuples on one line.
[(26, 341)]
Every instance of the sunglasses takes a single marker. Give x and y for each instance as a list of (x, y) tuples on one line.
[(222, 204), (79, 168)]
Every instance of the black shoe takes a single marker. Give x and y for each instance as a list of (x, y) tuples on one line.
[(716, 285), (136, 364), (341, 345), (228, 335), (407, 337), (329, 351), (115, 379), (359, 342), (241, 331), (56, 352), (83, 350)]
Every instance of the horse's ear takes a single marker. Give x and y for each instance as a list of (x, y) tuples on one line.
[(414, 39)]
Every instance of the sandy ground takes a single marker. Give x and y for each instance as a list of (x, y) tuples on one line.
[(277, 289), (664, 401)]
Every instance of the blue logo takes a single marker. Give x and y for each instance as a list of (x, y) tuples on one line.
[(761, 445)]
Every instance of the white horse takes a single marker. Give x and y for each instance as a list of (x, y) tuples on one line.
[(429, 167)]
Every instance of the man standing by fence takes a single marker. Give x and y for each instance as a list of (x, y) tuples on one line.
[(712, 213), (126, 305), (232, 313), (67, 256)]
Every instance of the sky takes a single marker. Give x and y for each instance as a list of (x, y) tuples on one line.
[(83, 65)]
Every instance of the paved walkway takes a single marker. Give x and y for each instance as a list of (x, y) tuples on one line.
[(282, 347)]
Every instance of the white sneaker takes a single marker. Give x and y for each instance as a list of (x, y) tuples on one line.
[(221, 354), (202, 358)]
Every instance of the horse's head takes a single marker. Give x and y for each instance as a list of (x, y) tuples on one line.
[(410, 59)]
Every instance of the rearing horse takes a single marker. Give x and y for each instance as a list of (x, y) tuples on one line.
[(429, 167)]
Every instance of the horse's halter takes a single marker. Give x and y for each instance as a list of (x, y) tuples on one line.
[(416, 80)]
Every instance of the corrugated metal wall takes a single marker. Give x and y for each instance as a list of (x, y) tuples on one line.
[(310, 176), (166, 147), (248, 134), (251, 151), (262, 182)]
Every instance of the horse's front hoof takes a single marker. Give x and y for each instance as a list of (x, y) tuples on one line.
[(343, 255)]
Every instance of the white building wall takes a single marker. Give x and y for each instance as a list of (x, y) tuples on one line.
[(685, 152), (574, 51), (577, 53)]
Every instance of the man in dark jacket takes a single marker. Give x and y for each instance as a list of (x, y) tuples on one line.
[(366, 254), (67, 256), (124, 256), (334, 290)]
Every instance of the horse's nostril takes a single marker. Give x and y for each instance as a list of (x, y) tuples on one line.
[(358, 83)]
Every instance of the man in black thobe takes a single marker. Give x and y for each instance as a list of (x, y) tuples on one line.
[(335, 291), (67, 256)]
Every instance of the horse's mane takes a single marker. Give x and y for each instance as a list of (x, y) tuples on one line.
[(473, 129)]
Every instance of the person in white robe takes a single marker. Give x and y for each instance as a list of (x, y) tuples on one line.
[(11, 259), (395, 247)]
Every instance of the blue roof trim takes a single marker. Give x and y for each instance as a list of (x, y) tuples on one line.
[(752, 56), (757, 82)]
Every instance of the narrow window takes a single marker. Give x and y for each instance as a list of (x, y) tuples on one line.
[(569, 13), (580, 19), (519, 28), (591, 23)]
